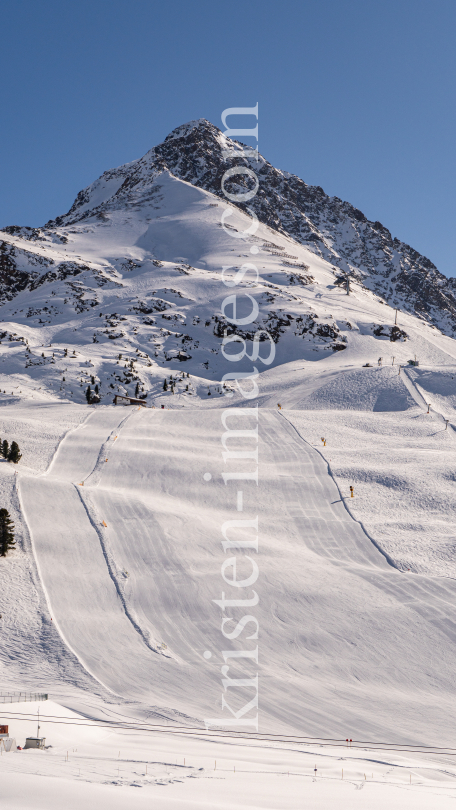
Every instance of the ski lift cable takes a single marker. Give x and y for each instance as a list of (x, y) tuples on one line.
[(193, 731)]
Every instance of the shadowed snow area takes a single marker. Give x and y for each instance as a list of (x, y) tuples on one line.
[(382, 390)]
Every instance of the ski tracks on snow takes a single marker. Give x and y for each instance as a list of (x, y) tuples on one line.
[(67, 460), (389, 559), (117, 574)]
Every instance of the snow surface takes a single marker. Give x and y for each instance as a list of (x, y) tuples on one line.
[(348, 642), (107, 603), (114, 769)]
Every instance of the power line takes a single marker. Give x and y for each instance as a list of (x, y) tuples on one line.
[(191, 731)]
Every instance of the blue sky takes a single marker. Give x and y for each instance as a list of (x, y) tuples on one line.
[(355, 96)]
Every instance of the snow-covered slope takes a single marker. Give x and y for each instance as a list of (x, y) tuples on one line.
[(127, 288), (336, 230), (109, 601), (130, 565)]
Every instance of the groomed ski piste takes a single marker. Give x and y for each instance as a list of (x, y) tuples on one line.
[(111, 602)]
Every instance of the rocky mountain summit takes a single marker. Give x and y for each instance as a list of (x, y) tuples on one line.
[(330, 227), (132, 281)]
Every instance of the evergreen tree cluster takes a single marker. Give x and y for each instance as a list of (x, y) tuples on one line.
[(7, 541), (11, 453), (92, 397)]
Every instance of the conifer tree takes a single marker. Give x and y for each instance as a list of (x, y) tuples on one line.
[(88, 395), (14, 454), (137, 390), (7, 540), (165, 386), (5, 448)]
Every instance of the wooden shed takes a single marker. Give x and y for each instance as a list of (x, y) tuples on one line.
[(123, 400)]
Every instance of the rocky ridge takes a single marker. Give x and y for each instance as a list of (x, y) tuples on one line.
[(128, 283), (330, 227)]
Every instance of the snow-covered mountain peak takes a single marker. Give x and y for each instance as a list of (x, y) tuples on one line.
[(194, 152), (135, 266), (198, 153)]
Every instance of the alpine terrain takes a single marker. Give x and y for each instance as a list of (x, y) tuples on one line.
[(249, 572)]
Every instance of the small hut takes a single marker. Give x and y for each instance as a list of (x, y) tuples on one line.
[(35, 742), (123, 400)]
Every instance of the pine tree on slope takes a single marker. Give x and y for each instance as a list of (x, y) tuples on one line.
[(5, 448), (7, 541), (14, 454)]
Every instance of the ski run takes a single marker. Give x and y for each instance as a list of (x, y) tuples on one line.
[(235, 593)]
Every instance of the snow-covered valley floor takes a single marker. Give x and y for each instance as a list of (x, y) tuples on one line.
[(114, 769)]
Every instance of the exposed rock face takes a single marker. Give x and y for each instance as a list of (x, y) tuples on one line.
[(13, 278)]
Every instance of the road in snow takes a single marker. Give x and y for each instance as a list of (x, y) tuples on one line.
[(348, 645)]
